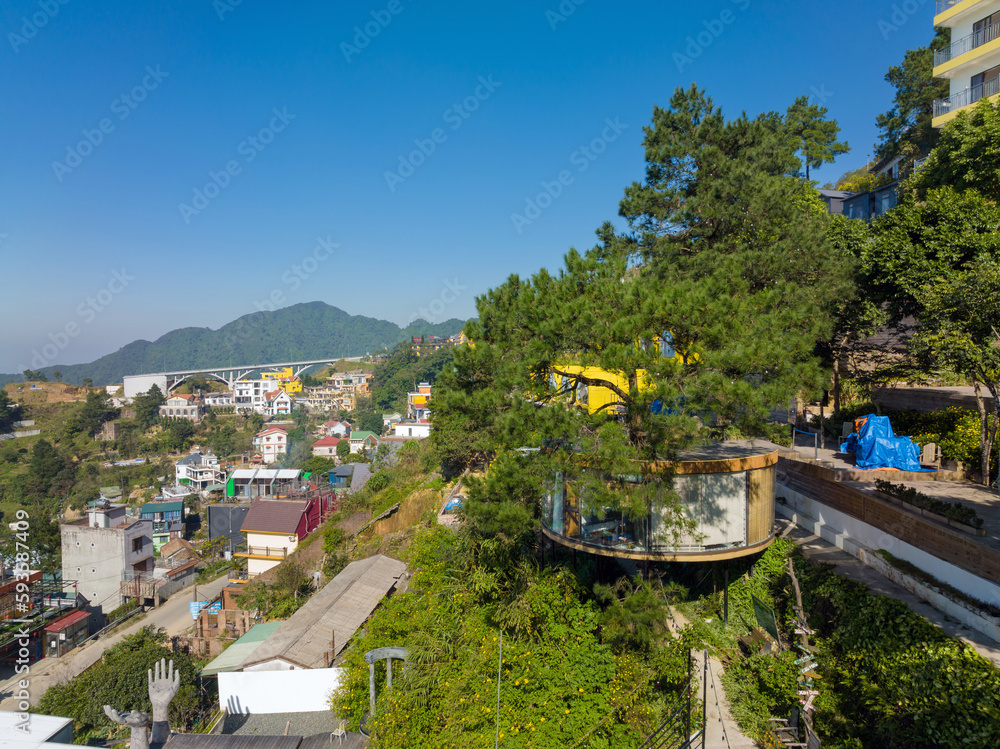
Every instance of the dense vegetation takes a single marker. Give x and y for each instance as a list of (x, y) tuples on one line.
[(568, 670), (300, 332), (119, 679)]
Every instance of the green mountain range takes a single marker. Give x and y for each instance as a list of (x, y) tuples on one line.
[(313, 330)]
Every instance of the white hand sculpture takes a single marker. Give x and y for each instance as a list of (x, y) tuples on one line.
[(137, 721), (162, 689)]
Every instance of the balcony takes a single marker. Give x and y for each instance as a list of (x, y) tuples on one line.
[(966, 44), (266, 552), (966, 97)]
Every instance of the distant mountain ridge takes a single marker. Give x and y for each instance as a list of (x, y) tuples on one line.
[(312, 330)]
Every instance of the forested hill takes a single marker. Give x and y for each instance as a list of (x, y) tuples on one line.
[(303, 331)]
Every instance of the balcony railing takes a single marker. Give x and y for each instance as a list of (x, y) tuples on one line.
[(271, 552), (975, 39), (966, 97), (940, 6)]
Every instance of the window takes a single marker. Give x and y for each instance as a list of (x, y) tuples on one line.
[(136, 545), (986, 30)]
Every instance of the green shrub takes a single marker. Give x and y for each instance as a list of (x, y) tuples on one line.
[(951, 510), (890, 679)]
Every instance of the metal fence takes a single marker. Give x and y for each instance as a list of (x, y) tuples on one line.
[(675, 731), (976, 39), (966, 97)]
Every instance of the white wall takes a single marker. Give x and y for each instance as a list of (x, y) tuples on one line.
[(138, 384), (299, 691), (852, 535)]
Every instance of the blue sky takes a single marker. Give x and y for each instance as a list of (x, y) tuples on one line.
[(177, 166)]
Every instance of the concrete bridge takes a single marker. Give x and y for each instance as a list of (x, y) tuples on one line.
[(137, 384)]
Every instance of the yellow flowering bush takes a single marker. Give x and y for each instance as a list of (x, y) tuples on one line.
[(557, 682)]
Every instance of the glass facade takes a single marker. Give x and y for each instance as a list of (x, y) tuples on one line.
[(725, 511)]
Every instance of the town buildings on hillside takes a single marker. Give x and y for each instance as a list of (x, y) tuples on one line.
[(271, 443), (418, 402)]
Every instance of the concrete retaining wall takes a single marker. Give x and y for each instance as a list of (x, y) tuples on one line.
[(927, 400), (932, 539), (859, 539)]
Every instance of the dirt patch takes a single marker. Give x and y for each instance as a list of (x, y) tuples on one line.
[(409, 512), (355, 522), (44, 392)]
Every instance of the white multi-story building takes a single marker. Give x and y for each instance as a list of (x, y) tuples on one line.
[(271, 442), (199, 471), (252, 394), (219, 400), (103, 552), (972, 62), (418, 402)]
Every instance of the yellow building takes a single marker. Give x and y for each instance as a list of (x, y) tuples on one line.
[(291, 383), (602, 399), (972, 62)]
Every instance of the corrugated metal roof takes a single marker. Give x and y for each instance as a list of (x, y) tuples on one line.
[(151, 507), (336, 613), (240, 650), (275, 515), (194, 741), (265, 473), (70, 619)]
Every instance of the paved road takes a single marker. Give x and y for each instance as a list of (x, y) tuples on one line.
[(173, 615)]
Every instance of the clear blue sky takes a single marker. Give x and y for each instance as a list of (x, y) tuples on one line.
[(180, 91)]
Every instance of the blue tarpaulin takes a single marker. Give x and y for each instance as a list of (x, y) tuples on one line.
[(875, 446)]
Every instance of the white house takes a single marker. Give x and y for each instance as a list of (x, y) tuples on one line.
[(413, 428), (271, 442), (363, 441), (277, 403), (199, 471), (337, 428), (181, 407), (273, 528), (326, 447), (219, 400)]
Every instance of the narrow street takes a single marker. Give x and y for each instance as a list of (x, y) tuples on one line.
[(173, 615)]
